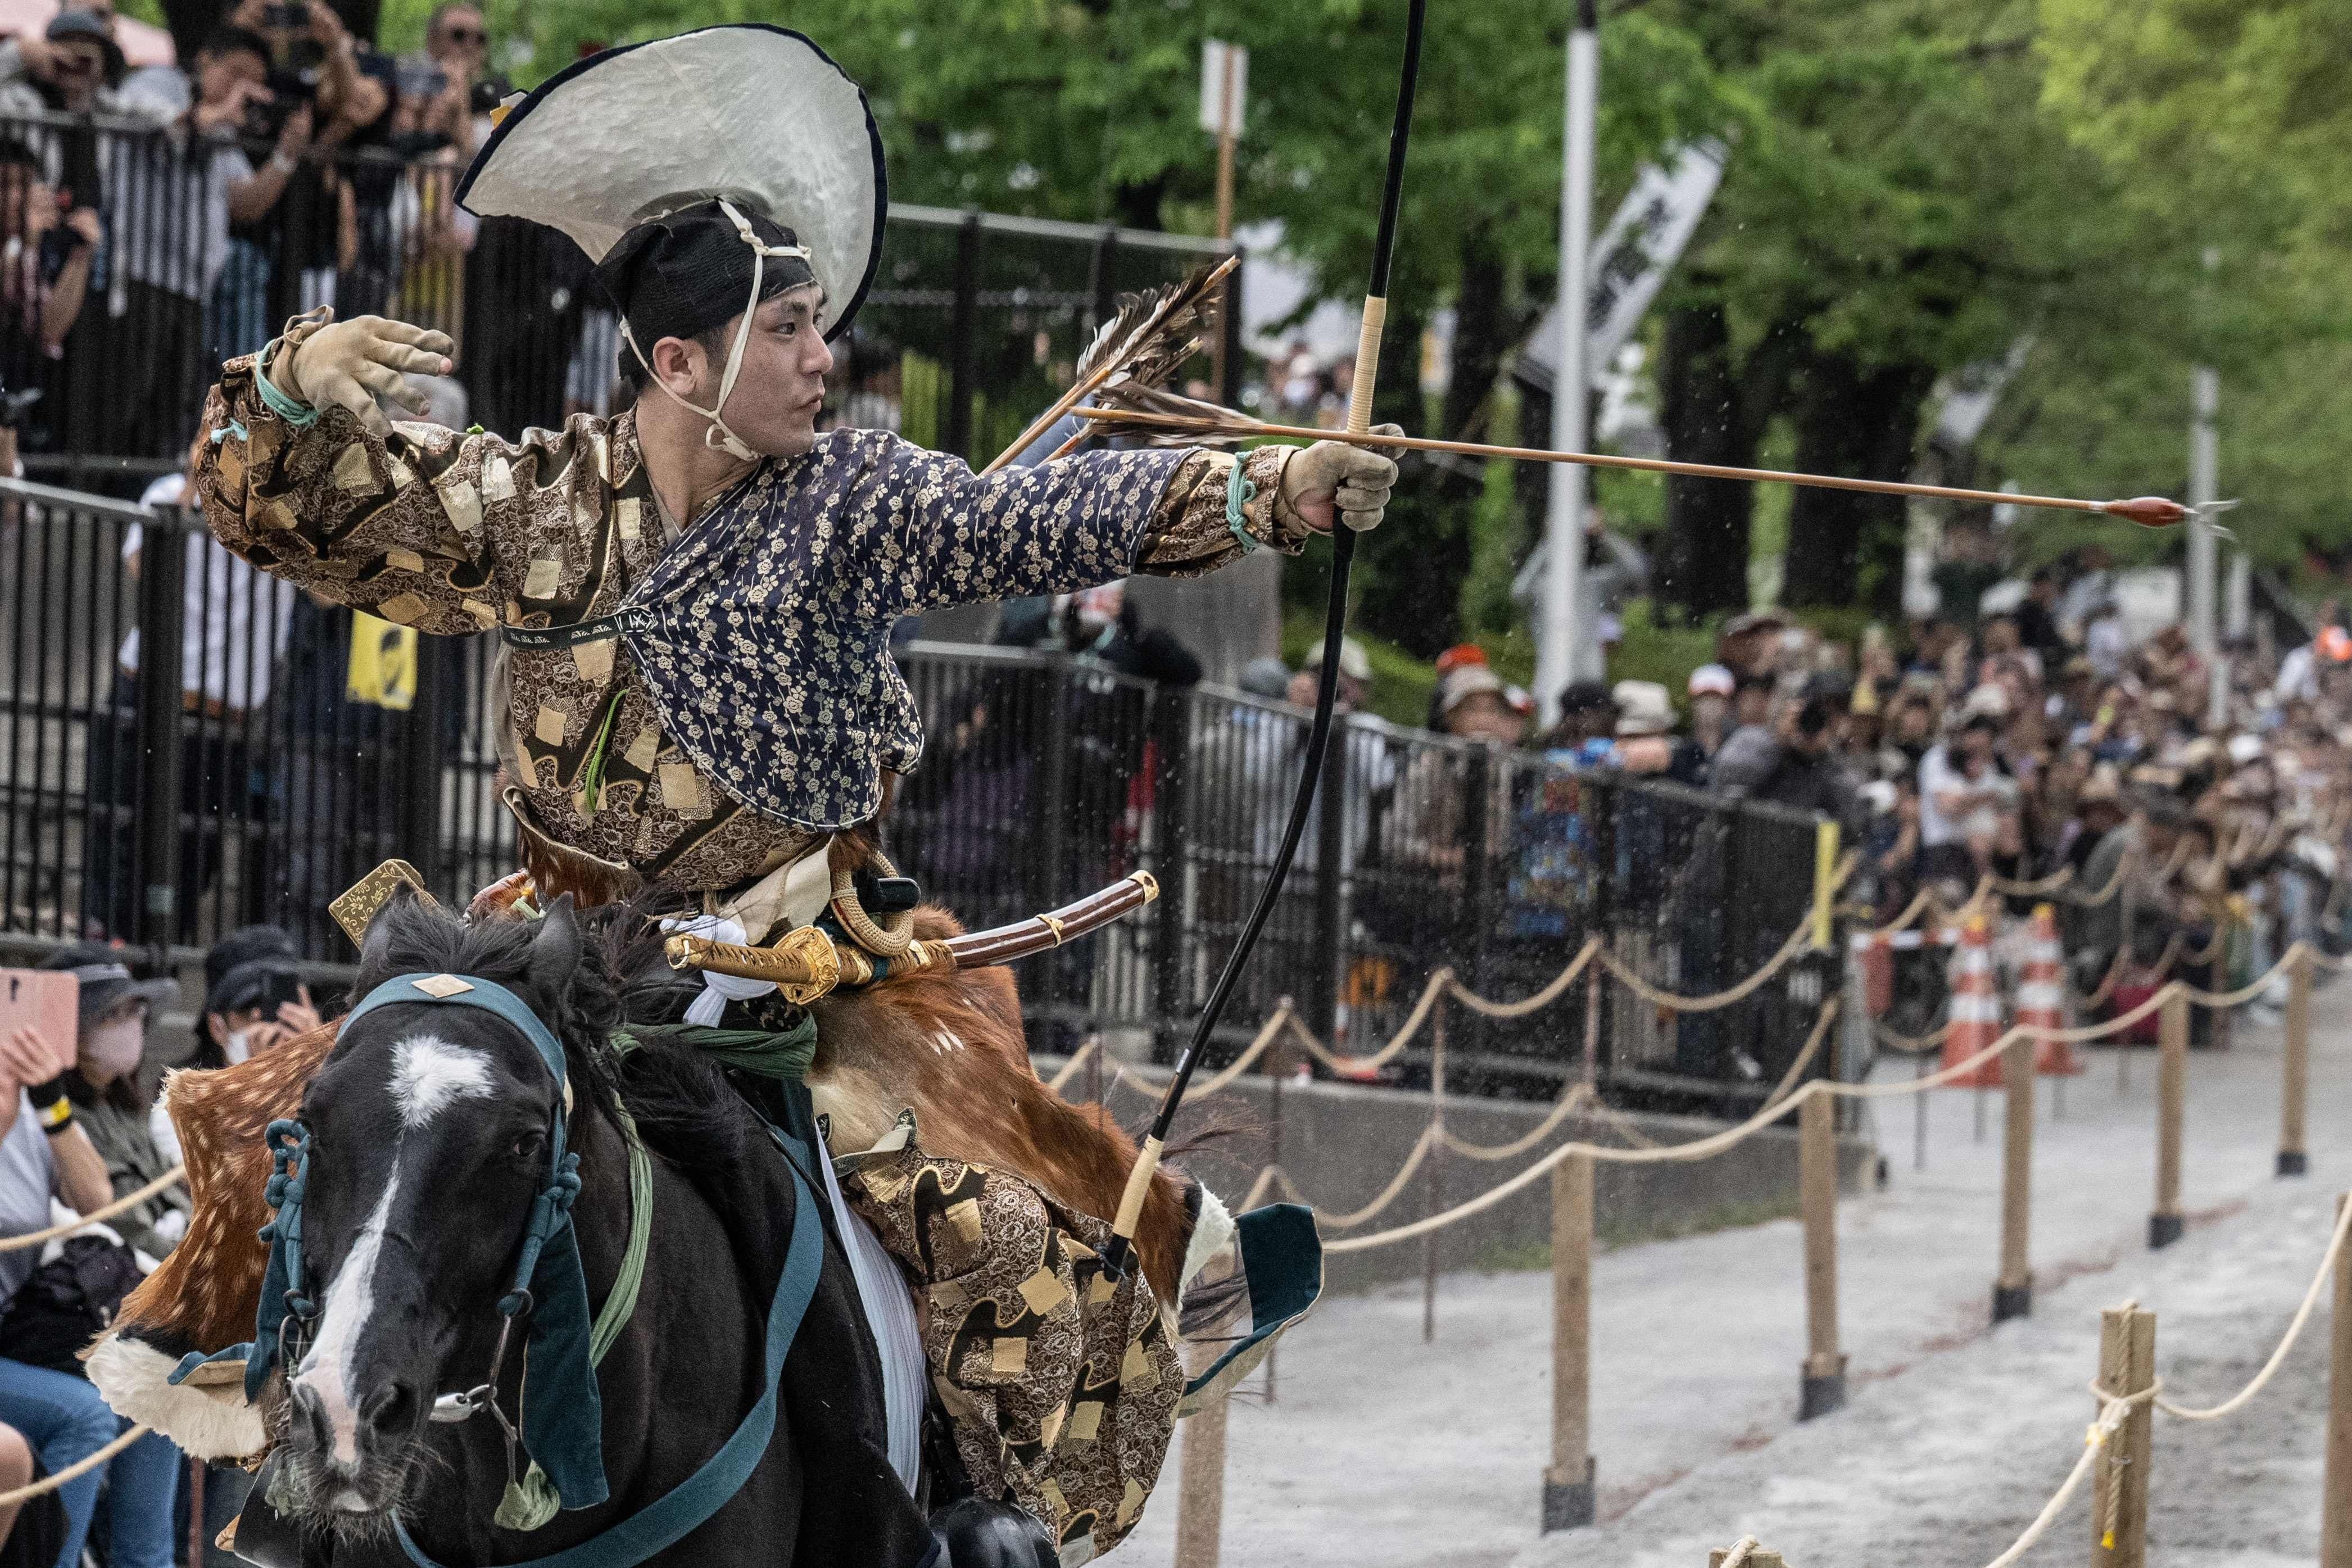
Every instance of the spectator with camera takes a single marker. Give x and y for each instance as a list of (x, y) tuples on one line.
[(75, 67), (52, 1309), (233, 102), (46, 247)]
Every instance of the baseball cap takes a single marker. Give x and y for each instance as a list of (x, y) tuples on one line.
[(245, 967), (106, 982), (1466, 682), (1712, 680), (1354, 663)]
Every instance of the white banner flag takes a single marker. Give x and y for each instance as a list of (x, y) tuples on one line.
[(1633, 255)]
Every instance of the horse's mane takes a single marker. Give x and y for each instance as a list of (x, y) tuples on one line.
[(680, 1101)]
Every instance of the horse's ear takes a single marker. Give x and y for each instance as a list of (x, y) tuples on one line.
[(555, 950)]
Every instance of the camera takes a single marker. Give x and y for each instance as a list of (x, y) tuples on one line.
[(487, 94), (421, 81)]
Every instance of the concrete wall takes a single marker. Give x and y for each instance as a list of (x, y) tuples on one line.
[(1343, 1144)]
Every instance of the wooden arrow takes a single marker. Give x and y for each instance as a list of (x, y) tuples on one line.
[(2148, 511)]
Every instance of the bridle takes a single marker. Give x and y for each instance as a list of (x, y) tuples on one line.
[(285, 1288)]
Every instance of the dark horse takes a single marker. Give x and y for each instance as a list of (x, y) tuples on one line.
[(429, 1140)]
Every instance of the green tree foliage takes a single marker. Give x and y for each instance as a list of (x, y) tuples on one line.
[(1915, 186)]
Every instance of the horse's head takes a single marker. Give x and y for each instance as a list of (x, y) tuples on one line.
[(430, 1128)]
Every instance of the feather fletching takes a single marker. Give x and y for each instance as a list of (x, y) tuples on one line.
[(1159, 402), (1154, 331)]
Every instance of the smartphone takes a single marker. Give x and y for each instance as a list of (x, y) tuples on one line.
[(49, 1004)]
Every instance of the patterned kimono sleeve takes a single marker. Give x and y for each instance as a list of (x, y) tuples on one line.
[(954, 537), (391, 526)]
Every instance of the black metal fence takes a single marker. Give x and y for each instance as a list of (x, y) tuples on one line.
[(188, 746), (972, 324), (1046, 774)]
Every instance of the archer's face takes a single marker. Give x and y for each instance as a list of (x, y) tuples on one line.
[(781, 387)]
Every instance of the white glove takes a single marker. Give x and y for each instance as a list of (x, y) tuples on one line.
[(347, 364), (1354, 480)]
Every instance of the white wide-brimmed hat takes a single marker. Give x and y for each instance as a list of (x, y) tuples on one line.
[(754, 113)]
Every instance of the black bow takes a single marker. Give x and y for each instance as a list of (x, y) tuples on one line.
[(1335, 624)]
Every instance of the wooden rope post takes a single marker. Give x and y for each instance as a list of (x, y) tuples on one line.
[(1758, 1557), (1822, 1388), (1568, 1483), (1433, 1178), (2119, 1476), (1200, 1500), (2292, 1159), (2172, 1089), (2012, 1292), (2335, 1494)]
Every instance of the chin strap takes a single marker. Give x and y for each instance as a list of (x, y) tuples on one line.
[(719, 434)]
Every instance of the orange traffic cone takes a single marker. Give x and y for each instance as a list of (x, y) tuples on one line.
[(1975, 1008), (2041, 995)]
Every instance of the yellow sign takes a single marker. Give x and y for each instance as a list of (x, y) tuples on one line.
[(1825, 860), (382, 669)]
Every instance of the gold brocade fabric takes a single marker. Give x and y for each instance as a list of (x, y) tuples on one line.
[(1062, 1388)]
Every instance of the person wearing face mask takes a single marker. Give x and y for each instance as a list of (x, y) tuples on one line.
[(56, 1139), (103, 1088), (254, 1000)]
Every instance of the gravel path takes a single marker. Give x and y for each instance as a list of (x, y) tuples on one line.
[(1381, 1450)]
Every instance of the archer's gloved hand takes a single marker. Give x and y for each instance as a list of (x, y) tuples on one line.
[(347, 364), (1334, 476)]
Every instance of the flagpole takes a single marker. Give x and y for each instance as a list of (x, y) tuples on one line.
[(1560, 653)]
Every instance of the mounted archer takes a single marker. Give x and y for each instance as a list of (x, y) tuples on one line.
[(697, 703)]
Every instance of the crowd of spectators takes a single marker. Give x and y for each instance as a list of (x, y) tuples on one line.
[(161, 219), (81, 1128), (2033, 737)]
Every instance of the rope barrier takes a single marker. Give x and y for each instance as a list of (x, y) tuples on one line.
[(1909, 1045), (1572, 1096), (1741, 1551), (2302, 1316), (1077, 1059), (74, 1471), (1540, 1000), (1911, 911), (1282, 1014), (1704, 1148), (2247, 992), (2113, 1410), (2035, 889), (97, 1217), (1797, 942), (1698, 1148)]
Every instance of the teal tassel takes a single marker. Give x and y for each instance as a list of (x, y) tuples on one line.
[(528, 1503)]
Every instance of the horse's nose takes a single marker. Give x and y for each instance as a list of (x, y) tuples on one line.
[(313, 1426), (387, 1413)]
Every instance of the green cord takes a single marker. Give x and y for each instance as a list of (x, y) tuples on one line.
[(1239, 493), (592, 774), (300, 416)]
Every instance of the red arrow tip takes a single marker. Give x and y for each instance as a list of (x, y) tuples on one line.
[(2148, 511)]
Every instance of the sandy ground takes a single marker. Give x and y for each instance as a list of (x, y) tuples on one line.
[(1381, 1449)]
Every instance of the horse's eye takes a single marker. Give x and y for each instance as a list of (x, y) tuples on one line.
[(529, 1146)]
